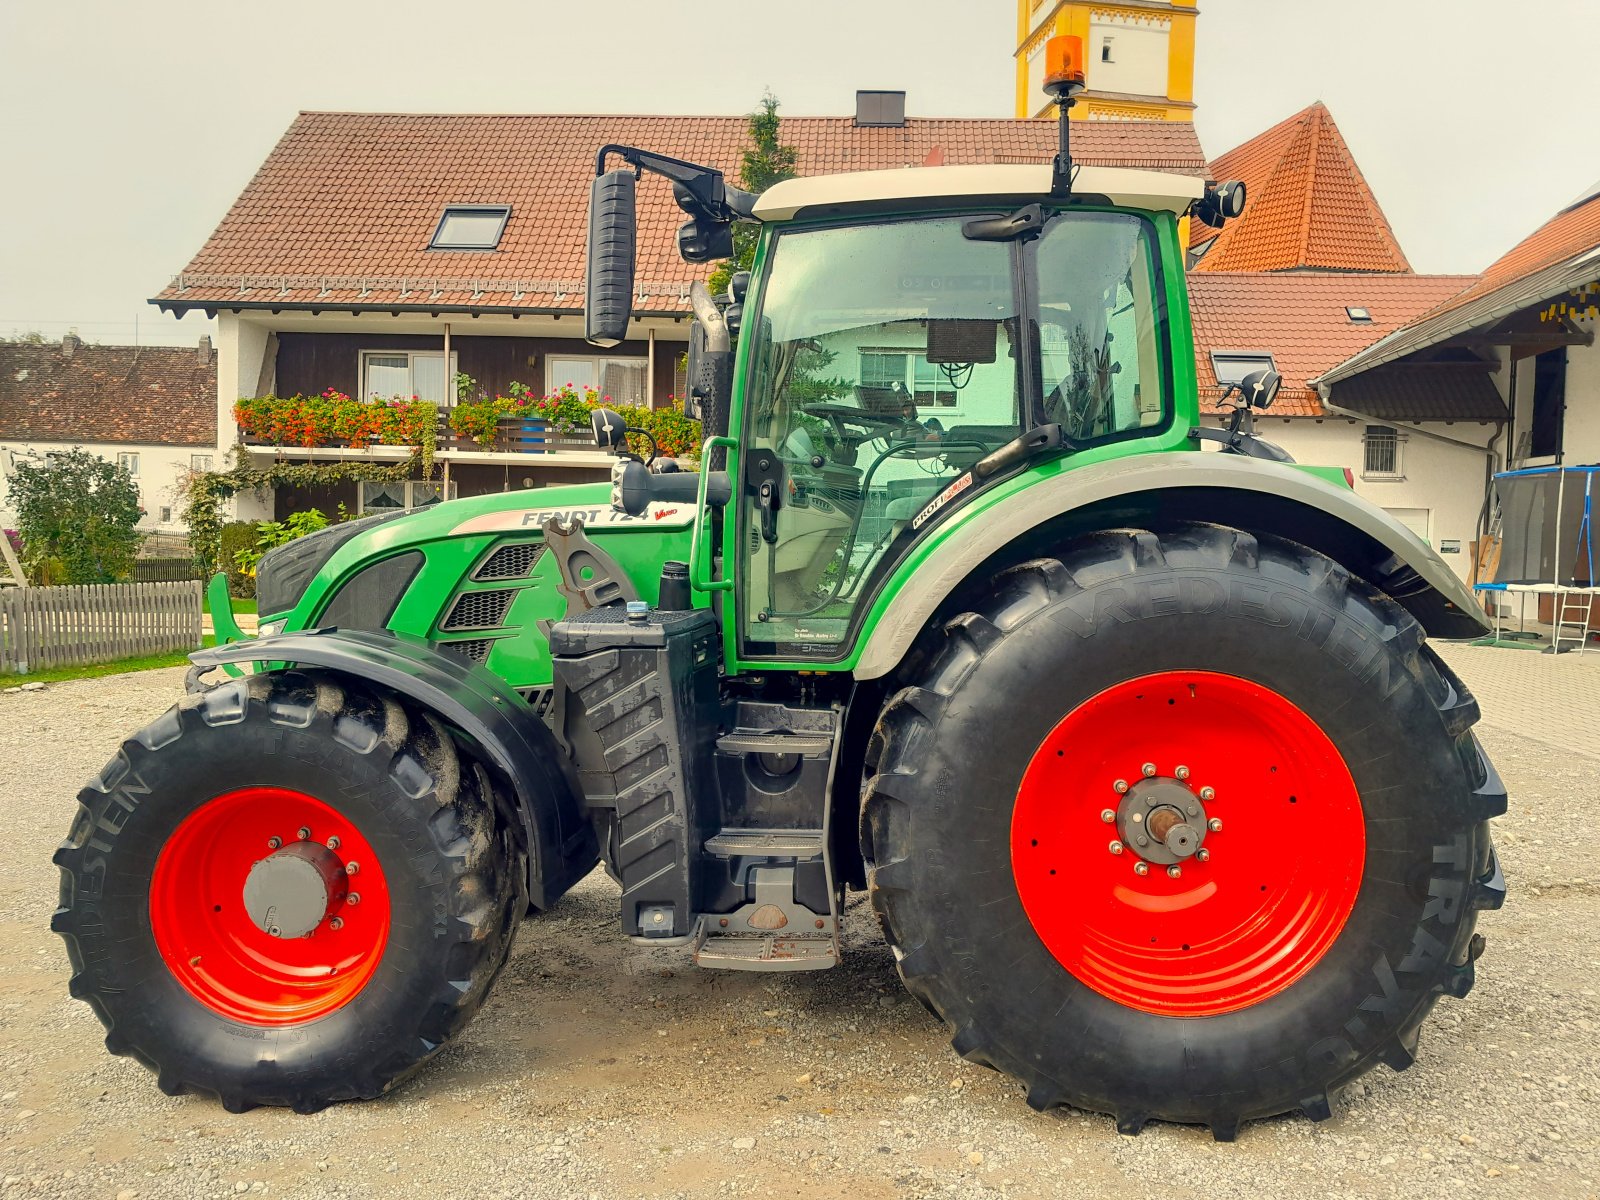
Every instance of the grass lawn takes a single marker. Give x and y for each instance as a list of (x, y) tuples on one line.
[(94, 670), (240, 606)]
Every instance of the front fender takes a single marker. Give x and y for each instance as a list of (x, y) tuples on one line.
[(1248, 493), (496, 722)]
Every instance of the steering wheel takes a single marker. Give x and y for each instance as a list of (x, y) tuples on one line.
[(871, 424)]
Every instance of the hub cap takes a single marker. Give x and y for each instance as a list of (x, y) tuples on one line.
[(1236, 843), (269, 907)]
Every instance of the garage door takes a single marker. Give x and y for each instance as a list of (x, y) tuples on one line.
[(1418, 520)]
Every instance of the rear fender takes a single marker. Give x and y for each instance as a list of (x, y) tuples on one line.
[(492, 718), (1245, 493)]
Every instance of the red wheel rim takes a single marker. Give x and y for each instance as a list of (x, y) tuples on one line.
[(1281, 872), (222, 956)]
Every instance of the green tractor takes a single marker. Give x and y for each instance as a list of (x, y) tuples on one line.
[(1166, 806)]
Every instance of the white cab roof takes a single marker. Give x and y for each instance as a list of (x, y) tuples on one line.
[(1126, 188)]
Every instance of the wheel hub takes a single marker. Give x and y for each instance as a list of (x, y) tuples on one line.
[(290, 892), (1162, 820)]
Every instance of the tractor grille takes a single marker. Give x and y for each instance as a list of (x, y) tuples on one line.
[(479, 610), (510, 562), (477, 649)]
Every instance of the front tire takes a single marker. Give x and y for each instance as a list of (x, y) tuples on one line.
[(185, 878), (1327, 799)]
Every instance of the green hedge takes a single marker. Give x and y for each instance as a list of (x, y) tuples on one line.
[(236, 536)]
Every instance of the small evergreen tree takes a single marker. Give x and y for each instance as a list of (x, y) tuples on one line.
[(767, 161), (77, 515)]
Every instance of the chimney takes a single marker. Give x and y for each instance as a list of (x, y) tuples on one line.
[(69, 343), (880, 110), (205, 349)]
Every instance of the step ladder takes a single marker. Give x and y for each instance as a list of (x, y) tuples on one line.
[(775, 931), (1574, 619)]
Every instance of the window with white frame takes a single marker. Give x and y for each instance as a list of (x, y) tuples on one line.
[(402, 374), (128, 460), (1381, 453), (384, 497), (199, 462), (929, 384), (165, 517), (622, 379)]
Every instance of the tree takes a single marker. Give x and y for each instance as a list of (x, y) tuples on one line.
[(77, 515), (767, 161)]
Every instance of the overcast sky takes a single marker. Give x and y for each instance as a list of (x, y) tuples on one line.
[(131, 127)]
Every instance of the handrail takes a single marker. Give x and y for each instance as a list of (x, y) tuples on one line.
[(702, 582)]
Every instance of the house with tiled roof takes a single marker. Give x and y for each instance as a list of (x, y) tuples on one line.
[(1310, 207), (152, 408), (367, 242)]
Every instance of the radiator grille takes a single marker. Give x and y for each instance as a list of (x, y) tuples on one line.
[(479, 610), (476, 649), (510, 562)]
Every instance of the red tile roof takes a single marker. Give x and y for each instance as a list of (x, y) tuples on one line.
[(144, 395), (1301, 320), (1309, 207), (344, 206)]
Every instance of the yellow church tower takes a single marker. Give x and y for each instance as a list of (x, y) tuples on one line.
[(1140, 52)]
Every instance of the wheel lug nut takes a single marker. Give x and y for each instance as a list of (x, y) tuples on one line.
[(1116, 847), (274, 842), (1214, 825), (1140, 868), (333, 843), (1142, 840), (1182, 772), (1149, 769), (350, 868), (1120, 787), (1208, 793), (1174, 872), (1202, 855), (353, 898), (1108, 815), (305, 833), (336, 923)]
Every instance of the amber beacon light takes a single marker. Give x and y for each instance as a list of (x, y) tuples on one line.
[(1064, 73)]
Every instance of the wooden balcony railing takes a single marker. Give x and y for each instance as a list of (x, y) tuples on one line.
[(515, 435)]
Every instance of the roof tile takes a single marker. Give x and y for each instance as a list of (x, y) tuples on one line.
[(145, 395), (1301, 320), (1309, 206), (349, 195)]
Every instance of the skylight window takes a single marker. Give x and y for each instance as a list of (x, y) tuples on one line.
[(1358, 316), (1231, 366), (470, 227)]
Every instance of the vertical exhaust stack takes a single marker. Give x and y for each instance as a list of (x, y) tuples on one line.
[(1064, 78)]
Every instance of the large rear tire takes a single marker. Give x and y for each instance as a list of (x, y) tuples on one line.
[(185, 878), (1326, 799)]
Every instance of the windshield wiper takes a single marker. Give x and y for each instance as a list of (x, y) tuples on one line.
[(1026, 221)]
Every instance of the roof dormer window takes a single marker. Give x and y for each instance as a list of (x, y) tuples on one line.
[(470, 227), (1358, 316)]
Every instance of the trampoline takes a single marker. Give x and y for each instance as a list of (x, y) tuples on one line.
[(1547, 547)]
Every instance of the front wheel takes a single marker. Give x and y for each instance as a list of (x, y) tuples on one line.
[(288, 890), (1224, 846)]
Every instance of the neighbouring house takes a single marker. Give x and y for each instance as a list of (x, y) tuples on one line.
[(1528, 324), (368, 243), (151, 408)]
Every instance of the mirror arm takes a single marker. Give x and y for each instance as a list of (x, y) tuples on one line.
[(713, 197), (711, 318)]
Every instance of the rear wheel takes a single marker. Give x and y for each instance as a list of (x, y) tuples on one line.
[(288, 890), (1224, 848)]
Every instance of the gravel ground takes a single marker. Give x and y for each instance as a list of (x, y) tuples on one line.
[(598, 1068)]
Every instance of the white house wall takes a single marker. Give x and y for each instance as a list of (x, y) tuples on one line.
[(1139, 55), (1444, 480), (1581, 439), (162, 470)]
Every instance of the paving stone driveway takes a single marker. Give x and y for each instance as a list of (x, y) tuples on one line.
[(1546, 698)]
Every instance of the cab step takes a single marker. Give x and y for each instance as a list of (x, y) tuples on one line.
[(799, 845), (773, 932)]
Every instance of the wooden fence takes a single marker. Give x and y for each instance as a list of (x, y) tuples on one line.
[(70, 626)]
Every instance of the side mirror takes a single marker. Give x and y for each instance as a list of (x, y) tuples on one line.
[(613, 231), (1260, 388), (609, 429)]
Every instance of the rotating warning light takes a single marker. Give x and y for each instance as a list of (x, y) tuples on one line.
[(1064, 70)]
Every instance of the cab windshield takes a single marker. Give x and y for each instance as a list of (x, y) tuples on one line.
[(886, 359)]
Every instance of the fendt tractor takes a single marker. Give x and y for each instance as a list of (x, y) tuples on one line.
[(1127, 724)]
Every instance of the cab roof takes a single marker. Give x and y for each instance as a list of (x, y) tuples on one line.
[(824, 195)]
